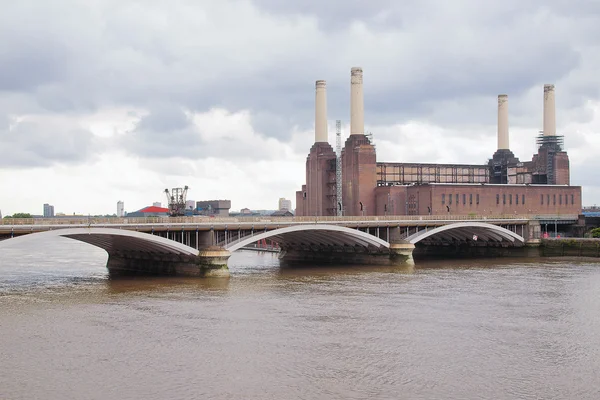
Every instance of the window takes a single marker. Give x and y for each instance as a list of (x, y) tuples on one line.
[(572, 199), (450, 199), (477, 198), (471, 198), (510, 199), (541, 199), (547, 199), (443, 198), (516, 199), (560, 199), (456, 198), (464, 199), (554, 199), (504, 199), (497, 199), (523, 199)]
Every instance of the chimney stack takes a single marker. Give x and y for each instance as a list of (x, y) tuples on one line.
[(549, 111), (321, 112), (357, 112), (503, 122)]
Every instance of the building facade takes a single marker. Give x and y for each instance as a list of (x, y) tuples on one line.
[(120, 209), (285, 204), (48, 211), (150, 211), (216, 208), (503, 185)]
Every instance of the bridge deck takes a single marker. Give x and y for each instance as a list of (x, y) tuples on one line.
[(9, 225)]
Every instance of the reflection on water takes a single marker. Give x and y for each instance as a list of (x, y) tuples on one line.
[(502, 329)]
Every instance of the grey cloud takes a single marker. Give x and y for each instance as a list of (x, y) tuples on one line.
[(33, 144), (422, 55), (332, 15), (165, 118), (582, 175), (278, 125), (166, 132), (25, 68)]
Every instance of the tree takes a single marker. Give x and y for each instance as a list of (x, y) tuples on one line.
[(22, 215), (595, 233)]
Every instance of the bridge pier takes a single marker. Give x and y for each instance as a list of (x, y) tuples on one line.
[(402, 252), (210, 262)]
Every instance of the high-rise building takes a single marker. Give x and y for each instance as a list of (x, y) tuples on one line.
[(48, 211), (285, 204), (120, 209)]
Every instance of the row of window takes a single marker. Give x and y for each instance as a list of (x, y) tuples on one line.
[(464, 199), (508, 199), (560, 199)]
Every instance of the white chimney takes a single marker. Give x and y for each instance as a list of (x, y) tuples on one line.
[(503, 122), (357, 107), (321, 112), (549, 111)]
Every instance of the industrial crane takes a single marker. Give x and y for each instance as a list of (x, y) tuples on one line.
[(176, 201)]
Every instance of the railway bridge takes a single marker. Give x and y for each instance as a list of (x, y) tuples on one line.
[(201, 246)]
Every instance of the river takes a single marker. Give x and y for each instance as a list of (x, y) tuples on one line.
[(495, 329)]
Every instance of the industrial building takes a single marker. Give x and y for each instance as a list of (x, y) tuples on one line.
[(150, 211), (352, 182), (214, 208)]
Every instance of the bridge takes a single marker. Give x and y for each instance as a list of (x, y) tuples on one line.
[(201, 246)]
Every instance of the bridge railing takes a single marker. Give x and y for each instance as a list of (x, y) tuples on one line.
[(267, 219)]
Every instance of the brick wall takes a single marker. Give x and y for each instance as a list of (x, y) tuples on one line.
[(359, 176), (478, 199)]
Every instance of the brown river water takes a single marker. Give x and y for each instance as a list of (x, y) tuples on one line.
[(460, 329)]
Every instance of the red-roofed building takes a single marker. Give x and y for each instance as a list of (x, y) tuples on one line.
[(150, 211)]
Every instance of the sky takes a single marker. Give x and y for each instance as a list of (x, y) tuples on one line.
[(108, 100)]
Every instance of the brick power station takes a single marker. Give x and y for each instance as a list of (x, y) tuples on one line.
[(505, 185)]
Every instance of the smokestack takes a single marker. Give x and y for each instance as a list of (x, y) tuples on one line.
[(549, 111), (321, 112), (357, 112), (503, 122)]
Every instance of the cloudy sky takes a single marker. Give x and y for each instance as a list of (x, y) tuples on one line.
[(107, 100)]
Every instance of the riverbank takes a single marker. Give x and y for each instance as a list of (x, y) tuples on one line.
[(577, 247)]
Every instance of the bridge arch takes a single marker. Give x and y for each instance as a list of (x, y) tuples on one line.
[(313, 235), (465, 231), (117, 240)]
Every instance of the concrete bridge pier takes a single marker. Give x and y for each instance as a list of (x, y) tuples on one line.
[(402, 252), (210, 262), (336, 256)]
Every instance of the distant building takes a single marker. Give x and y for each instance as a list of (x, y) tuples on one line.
[(157, 204), (190, 204), (217, 208), (282, 213), (120, 209), (48, 211), (150, 211), (285, 204)]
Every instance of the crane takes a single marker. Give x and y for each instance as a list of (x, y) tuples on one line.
[(176, 201)]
